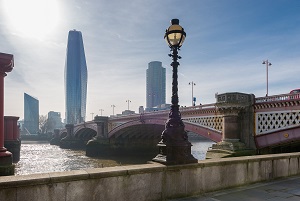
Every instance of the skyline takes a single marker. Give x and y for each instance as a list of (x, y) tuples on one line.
[(223, 52)]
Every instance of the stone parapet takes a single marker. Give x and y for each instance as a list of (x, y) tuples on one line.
[(234, 99), (149, 181)]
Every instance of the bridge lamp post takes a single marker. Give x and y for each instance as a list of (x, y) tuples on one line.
[(113, 106), (101, 110), (174, 147), (193, 100), (128, 101), (267, 67)]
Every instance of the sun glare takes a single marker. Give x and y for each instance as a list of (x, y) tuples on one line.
[(32, 18)]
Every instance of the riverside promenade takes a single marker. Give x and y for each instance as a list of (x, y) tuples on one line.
[(276, 190)]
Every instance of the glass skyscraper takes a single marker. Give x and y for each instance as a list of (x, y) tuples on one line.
[(156, 84), (31, 114), (75, 79)]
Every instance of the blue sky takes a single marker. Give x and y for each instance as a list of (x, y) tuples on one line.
[(227, 40)]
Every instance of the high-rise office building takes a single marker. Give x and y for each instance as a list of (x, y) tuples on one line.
[(156, 85), (31, 114), (54, 120), (75, 79)]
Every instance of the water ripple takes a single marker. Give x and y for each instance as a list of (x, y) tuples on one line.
[(41, 157)]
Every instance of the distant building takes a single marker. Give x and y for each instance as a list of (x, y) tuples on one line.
[(54, 118), (159, 108), (128, 112), (31, 114), (141, 109), (75, 79), (156, 85)]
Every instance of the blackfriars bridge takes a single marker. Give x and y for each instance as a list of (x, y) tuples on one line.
[(236, 122)]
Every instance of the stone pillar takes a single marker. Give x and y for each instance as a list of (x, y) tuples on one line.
[(100, 143), (12, 137), (69, 142), (55, 138), (102, 124), (6, 166), (231, 106), (70, 131), (231, 126)]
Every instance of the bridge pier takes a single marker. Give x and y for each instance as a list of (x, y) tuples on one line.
[(69, 142), (6, 165), (12, 137), (232, 107), (100, 143), (55, 139)]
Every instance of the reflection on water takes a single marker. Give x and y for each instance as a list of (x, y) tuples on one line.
[(41, 157), (200, 147)]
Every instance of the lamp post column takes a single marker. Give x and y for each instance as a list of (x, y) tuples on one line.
[(6, 166), (128, 101), (174, 147), (193, 84), (267, 72), (113, 106)]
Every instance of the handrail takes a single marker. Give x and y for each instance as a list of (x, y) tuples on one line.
[(276, 98), (190, 108)]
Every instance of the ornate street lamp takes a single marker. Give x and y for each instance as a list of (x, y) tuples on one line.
[(174, 147)]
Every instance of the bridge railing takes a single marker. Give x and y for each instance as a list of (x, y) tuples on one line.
[(158, 112), (276, 98), (198, 107)]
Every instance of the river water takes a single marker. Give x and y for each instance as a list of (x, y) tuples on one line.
[(41, 157)]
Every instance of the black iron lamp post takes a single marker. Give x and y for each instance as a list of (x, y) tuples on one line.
[(174, 147)]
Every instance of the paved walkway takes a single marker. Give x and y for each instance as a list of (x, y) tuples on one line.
[(277, 190)]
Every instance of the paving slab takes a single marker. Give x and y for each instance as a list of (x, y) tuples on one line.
[(275, 190)]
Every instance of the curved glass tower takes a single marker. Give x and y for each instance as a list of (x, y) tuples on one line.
[(75, 79)]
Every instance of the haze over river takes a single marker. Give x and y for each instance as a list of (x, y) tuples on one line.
[(41, 157)]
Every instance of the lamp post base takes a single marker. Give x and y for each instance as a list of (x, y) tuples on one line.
[(174, 155), (174, 148)]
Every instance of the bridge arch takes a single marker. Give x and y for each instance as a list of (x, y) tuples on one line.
[(62, 133), (206, 132), (85, 134), (85, 131), (155, 127), (139, 129)]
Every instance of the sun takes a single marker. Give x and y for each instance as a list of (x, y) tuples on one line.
[(31, 18)]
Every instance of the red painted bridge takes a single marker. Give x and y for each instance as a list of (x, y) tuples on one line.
[(259, 123)]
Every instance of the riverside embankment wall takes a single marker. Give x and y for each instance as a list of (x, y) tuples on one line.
[(149, 181)]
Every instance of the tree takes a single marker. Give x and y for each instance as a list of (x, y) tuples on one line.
[(43, 124), (46, 124)]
